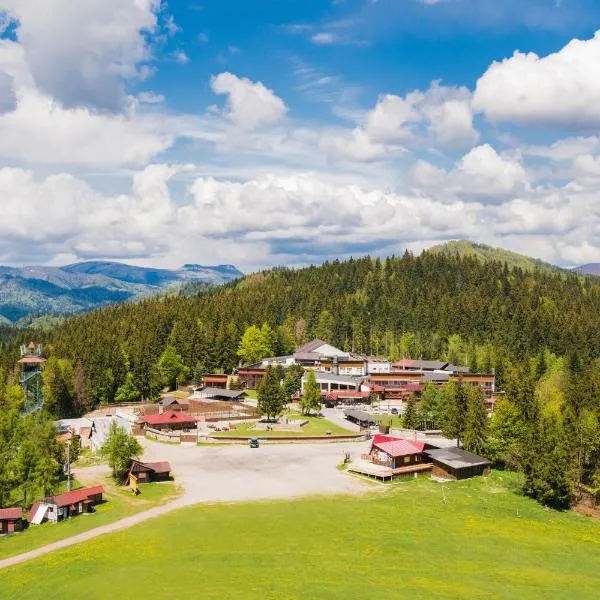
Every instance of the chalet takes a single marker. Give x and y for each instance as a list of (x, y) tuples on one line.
[(485, 381), (147, 472), (215, 380), (456, 463), (62, 506), (391, 457), (394, 452), (170, 421), (11, 520), (211, 393), (251, 376)]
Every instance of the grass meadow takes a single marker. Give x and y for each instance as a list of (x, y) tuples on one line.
[(416, 539)]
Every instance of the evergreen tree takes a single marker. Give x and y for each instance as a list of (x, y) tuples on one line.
[(410, 419), (324, 328), (455, 410), (292, 382), (476, 425), (430, 407), (58, 387), (311, 398), (271, 398), (127, 392)]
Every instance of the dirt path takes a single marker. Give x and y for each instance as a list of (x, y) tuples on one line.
[(228, 474)]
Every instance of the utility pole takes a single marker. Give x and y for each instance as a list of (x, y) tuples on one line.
[(68, 465)]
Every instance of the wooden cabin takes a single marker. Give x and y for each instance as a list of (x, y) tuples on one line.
[(148, 472), (457, 463), (11, 520), (68, 504)]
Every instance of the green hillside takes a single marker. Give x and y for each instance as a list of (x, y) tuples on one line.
[(484, 253), (484, 541)]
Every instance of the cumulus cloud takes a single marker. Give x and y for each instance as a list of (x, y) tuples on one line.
[(481, 175), (561, 89), (250, 105), (83, 53), (37, 129), (297, 218), (441, 116)]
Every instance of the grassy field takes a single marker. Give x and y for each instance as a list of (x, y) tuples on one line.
[(484, 542), (120, 502), (315, 426)]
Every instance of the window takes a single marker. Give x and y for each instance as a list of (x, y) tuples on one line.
[(407, 459)]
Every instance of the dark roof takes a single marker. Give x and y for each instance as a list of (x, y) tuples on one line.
[(457, 369), (11, 513), (432, 376), (157, 467), (457, 458), (358, 415), (425, 365), (220, 393), (310, 346), (168, 400)]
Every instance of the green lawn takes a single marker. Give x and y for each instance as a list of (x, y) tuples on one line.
[(394, 420), (485, 542), (315, 426), (120, 502)]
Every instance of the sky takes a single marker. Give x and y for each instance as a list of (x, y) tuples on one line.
[(289, 132)]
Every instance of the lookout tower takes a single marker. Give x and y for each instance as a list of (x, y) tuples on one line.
[(32, 365)]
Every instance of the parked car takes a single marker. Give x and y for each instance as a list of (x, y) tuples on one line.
[(253, 443), (394, 411)]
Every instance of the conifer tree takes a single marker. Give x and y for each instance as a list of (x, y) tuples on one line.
[(311, 398), (455, 410), (410, 419), (271, 398), (476, 424)]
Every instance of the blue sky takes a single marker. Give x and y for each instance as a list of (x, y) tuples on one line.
[(290, 132)]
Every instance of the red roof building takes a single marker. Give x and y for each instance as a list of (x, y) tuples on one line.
[(68, 504), (170, 420), (396, 452), (11, 520)]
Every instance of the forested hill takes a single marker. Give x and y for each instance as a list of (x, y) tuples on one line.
[(484, 253), (431, 306)]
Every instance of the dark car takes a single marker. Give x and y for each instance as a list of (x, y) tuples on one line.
[(394, 411), (253, 443)]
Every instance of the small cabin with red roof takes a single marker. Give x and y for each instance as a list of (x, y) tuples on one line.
[(68, 504), (11, 520), (394, 452)]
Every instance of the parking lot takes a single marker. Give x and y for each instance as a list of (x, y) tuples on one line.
[(232, 473)]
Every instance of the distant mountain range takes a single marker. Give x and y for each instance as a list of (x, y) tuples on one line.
[(83, 286), (589, 269)]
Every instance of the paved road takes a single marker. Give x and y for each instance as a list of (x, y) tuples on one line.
[(231, 473)]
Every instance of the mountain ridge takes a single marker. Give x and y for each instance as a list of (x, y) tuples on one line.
[(31, 290)]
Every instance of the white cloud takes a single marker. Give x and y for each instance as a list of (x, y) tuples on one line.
[(150, 98), (249, 105), (82, 53), (561, 89), (481, 175), (181, 57), (355, 146), (390, 120), (565, 149), (441, 116), (324, 38)]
